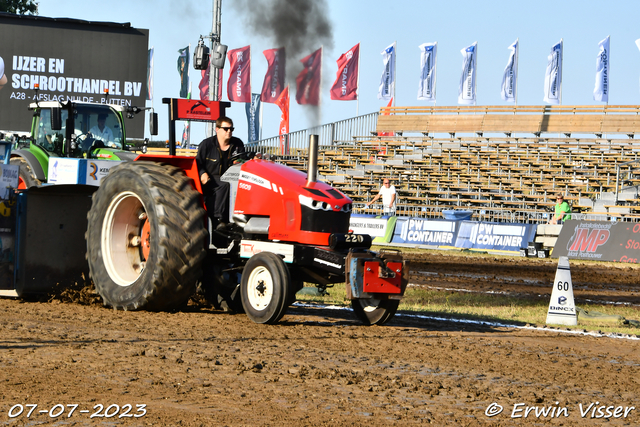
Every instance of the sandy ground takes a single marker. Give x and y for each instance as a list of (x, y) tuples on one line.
[(202, 367)]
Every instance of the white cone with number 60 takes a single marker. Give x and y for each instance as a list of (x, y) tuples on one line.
[(562, 309)]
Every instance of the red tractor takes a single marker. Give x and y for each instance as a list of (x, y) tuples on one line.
[(150, 244)]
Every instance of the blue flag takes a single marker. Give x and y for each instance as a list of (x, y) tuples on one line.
[(253, 117)]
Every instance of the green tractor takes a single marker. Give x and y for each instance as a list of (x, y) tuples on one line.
[(73, 129)]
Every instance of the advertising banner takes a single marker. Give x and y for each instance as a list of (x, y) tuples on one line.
[(365, 224), (495, 236), (345, 88), (510, 75), (70, 60), (601, 91), (274, 78), (8, 180), (553, 75), (427, 83), (467, 87), (388, 79), (308, 81), (418, 231), (599, 241), (253, 117), (197, 110), (239, 85), (63, 170)]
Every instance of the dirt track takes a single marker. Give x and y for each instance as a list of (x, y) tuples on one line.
[(317, 367)]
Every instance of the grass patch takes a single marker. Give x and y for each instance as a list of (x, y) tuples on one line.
[(490, 308)]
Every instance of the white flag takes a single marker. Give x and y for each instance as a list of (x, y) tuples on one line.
[(601, 91), (467, 88), (388, 80), (553, 75), (510, 76), (427, 84)]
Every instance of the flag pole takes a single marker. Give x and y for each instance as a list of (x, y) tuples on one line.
[(608, 70), (517, 57), (152, 85), (358, 82), (435, 77), (260, 128), (395, 57), (561, 67), (475, 80)]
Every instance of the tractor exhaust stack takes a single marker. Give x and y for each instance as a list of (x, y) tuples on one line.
[(312, 170)]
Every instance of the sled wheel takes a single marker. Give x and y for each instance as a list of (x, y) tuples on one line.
[(265, 288), (26, 177), (146, 237), (374, 311)]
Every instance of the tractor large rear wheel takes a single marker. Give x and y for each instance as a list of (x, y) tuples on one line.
[(374, 311), (26, 177), (146, 237)]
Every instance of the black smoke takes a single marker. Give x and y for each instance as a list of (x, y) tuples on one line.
[(301, 26)]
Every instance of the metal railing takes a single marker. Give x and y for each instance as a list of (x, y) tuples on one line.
[(487, 214), (630, 173), (329, 134)]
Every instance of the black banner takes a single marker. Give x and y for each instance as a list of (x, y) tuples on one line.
[(599, 241), (70, 59)]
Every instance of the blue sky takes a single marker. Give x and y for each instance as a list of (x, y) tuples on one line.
[(376, 24)]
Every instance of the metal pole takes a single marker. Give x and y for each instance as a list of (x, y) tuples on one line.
[(435, 77), (561, 61), (516, 82), (395, 56), (214, 74), (475, 80), (358, 82)]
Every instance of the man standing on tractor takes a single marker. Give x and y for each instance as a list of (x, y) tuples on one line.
[(215, 155)]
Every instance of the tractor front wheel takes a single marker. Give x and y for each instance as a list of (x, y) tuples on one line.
[(146, 237), (264, 288), (374, 311)]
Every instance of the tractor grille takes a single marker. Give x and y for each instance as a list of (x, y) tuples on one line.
[(324, 221)]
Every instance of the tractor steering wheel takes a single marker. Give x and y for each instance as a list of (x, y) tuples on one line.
[(238, 156), (245, 155)]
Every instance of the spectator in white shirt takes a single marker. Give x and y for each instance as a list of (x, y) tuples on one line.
[(388, 194)]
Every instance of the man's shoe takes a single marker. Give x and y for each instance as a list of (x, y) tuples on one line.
[(221, 226)]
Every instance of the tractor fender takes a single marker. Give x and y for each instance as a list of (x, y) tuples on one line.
[(32, 161)]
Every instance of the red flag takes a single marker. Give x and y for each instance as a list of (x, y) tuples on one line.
[(274, 79), (239, 84), (283, 103), (204, 84), (308, 81), (345, 87)]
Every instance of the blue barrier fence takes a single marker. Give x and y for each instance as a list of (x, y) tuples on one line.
[(461, 234)]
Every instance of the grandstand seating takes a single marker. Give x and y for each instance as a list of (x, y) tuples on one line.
[(503, 163)]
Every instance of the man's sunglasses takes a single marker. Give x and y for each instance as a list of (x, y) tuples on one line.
[(226, 129)]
